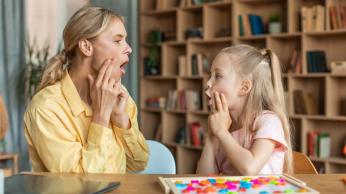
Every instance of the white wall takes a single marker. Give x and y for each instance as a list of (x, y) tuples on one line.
[(46, 19)]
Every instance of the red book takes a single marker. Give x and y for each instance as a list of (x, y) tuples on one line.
[(194, 129)]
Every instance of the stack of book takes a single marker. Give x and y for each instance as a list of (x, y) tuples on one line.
[(313, 18), (199, 65), (337, 15), (316, 61), (295, 62), (250, 24), (184, 100), (193, 134), (155, 102), (318, 144), (304, 103)]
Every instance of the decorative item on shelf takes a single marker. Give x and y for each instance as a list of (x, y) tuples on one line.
[(274, 24), (338, 67), (155, 37), (196, 32), (157, 102), (343, 107), (151, 63)]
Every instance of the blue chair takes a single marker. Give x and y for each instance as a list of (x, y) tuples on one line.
[(160, 161)]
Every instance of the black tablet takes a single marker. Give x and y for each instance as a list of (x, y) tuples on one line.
[(24, 183)]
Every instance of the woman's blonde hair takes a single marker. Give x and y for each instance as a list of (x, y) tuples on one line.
[(264, 69), (87, 23)]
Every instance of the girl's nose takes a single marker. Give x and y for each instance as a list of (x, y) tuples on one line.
[(207, 90)]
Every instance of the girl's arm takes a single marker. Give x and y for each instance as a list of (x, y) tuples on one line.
[(206, 164), (247, 162)]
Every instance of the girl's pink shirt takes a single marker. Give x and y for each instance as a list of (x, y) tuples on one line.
[(268, 127)]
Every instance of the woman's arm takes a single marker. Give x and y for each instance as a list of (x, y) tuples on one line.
[(136, 148), (60, 149)]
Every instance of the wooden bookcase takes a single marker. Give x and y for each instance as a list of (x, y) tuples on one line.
[(213, 17)]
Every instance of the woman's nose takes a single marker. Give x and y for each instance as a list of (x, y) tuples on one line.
[(128, 49)]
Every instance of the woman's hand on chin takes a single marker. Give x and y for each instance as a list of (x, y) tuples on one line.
[(119, 115), (103, 94)]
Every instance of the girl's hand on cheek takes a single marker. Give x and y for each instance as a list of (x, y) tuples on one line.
[(219, 120)]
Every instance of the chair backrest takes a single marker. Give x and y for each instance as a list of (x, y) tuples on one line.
[(161, 160), (302, 164)]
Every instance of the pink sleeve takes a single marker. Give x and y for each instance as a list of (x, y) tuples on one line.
[(269, 127)]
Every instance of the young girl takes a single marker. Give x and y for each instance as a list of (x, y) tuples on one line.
[(83, 120), (248, 126)]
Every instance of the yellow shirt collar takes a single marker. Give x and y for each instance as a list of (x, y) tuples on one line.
[(72, 96)]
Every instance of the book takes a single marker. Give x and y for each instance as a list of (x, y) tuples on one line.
[(316, 61), (256, 23), (246, 24), (182, 66), (324, 145)]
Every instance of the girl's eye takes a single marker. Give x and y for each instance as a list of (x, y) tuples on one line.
[(117, 41), (217, 76)]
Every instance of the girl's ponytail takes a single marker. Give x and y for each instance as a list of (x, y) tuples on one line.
[(275, 68), (53, 71)]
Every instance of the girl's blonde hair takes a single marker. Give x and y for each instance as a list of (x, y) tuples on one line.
[(87, 23), (264, 69)]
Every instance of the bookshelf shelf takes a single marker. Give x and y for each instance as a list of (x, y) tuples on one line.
[(327, 33), (158, 77), (159, 12), (152, 109), (219, 22)]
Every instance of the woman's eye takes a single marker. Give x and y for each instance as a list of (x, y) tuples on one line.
[(117, 41), (217, 76)]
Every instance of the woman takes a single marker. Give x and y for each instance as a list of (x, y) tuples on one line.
[(82, 119)]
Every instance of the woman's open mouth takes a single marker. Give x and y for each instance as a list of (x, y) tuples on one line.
[(122, 67)]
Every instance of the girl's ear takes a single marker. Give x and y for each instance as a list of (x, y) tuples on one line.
[(85, 47), (245, 88)]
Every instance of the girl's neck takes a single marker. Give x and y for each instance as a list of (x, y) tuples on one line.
[(236, 125)]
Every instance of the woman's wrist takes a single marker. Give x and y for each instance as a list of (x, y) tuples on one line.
[(101, 119), (121, 120)]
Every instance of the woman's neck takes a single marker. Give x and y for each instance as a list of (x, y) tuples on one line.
[(81, 82)]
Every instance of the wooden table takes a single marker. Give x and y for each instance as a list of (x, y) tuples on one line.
[(140, 183)]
